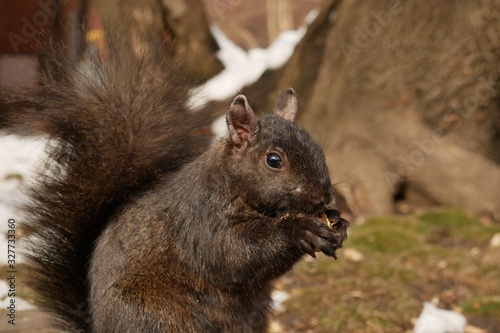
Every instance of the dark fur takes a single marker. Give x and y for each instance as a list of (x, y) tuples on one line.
[(140, 227)]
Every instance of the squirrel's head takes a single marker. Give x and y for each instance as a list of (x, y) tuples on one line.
[(277, 168)]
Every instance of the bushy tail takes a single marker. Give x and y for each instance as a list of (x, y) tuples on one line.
[(115, 126)]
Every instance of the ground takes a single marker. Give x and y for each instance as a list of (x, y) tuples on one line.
[(389, 266)]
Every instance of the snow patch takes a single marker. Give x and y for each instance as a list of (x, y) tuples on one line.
[(244, 68), (436, 320), (18, 157), (279, 297)]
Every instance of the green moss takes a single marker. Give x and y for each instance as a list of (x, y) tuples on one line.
[(455, 227), (384, 236), (451, 218), (483, 307)]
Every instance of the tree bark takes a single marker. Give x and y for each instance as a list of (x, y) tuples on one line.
[(403, 92), (181, 23)]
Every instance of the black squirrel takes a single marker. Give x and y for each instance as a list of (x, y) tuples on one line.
[(139, 224)]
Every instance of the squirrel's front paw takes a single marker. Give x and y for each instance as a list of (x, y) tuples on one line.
[(316, 236)]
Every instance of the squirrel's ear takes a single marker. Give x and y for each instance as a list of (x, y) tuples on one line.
[(286, 106), (241, 122)]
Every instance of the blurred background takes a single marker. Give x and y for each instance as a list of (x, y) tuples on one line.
[(403, 95)]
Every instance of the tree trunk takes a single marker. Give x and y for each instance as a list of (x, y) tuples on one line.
[(181, 23), (403, 92)]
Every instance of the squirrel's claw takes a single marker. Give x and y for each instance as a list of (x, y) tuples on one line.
[(316, 236), (307, 248)]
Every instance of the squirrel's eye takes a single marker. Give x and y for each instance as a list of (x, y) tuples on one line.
[(274, 161)]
